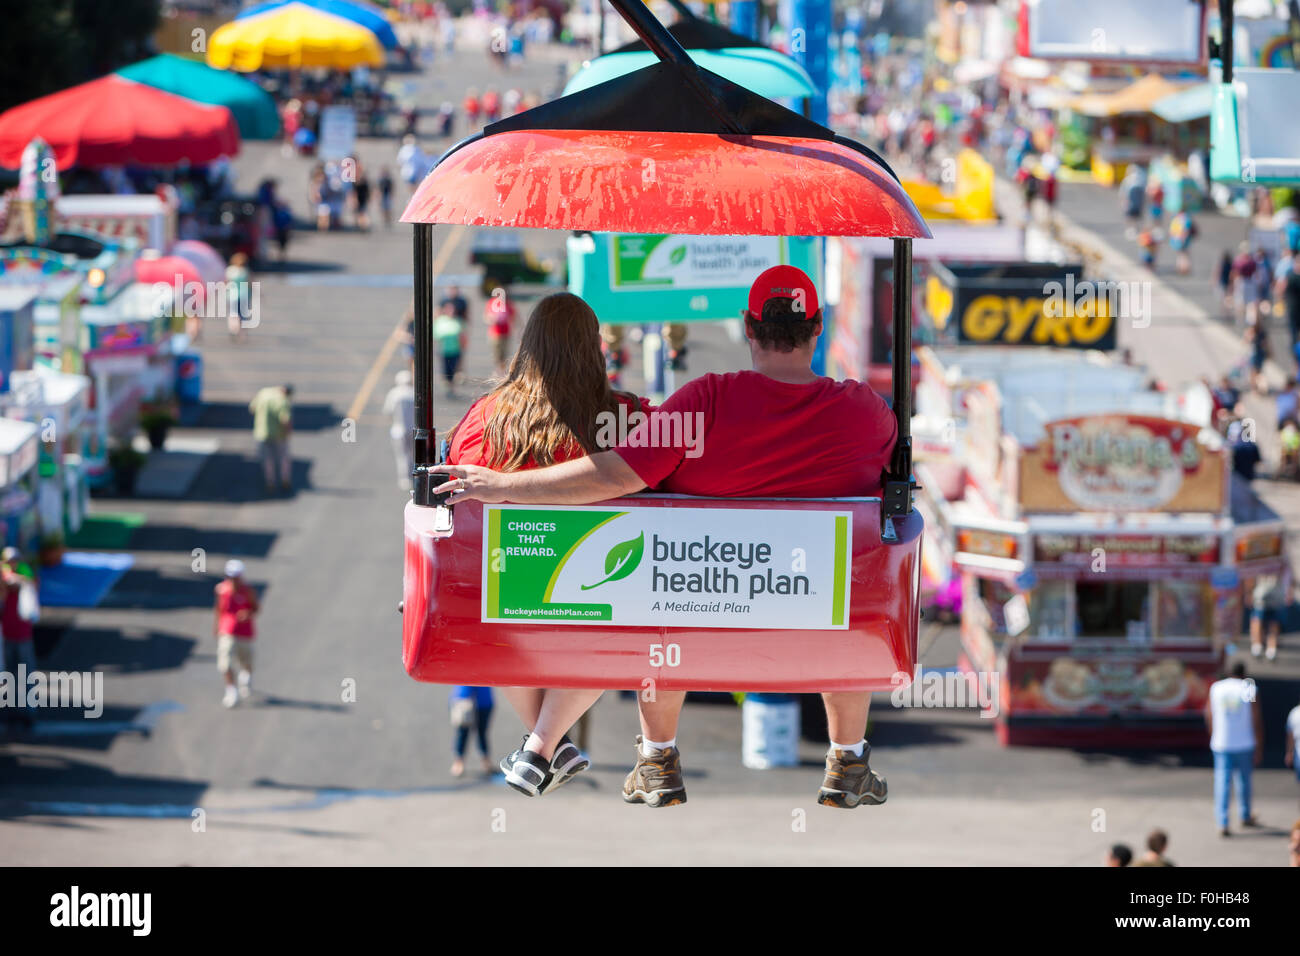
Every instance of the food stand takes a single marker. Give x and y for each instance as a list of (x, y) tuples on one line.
[(1102, 544)]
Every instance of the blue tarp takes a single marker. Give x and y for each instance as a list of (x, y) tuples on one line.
[(83, 579)]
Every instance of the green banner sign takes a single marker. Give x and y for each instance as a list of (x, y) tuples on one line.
[(635, 279)]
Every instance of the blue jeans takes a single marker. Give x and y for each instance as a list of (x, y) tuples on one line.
[(1239, 763), (20, 652)]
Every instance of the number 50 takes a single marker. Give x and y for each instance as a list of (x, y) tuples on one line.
[(662, 655)]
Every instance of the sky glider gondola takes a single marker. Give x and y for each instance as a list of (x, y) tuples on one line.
[(670, 149)]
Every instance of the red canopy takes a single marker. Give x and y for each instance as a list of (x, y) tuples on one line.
[(114, 121), (179, 273), (671, 183)]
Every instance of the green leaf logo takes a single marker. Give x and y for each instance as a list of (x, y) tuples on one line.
[(677, 255), (621, 561)]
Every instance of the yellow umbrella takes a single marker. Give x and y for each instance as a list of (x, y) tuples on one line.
[(294, 36)]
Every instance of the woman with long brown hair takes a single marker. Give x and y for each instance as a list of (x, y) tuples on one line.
[(548, 409)]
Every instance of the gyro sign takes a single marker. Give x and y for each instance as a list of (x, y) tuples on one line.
[(1130, 463)]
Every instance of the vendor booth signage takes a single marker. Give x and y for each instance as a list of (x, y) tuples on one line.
[(644, 278), (1024, 303), (1127, 550), (703, 567), (1127, 463)]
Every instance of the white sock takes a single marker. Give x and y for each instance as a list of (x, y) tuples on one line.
[(855, 749), (648, 746)]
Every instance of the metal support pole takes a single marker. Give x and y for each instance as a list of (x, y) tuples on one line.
[(1226, 27), (896, 499), (665, 46), (423, 437)]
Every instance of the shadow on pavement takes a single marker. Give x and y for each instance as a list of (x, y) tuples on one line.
[(148, 588), (108, 649), (223, 541), (272, 700), (50, 785), (234, 478), (308, 417), (71, 728), (277, 267)]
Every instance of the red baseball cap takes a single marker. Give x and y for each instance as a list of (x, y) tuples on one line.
[(782, 282)]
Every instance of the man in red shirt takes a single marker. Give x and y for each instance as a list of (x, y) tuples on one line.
[(18, 648), (236, 603), (780, 430)]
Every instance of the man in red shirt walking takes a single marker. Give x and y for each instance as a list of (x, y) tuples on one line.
[(780, 430), (18, 648), (232, 625)]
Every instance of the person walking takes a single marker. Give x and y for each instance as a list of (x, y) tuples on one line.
[(1225, 282), (471, 708), (361, 198), (272, 409), (400, 404), (1118, 855), (1271, 595), (1182, 230), (386, 196), (1157, 843), (1245, 289), (19, 651), (238, 278), (1236, 741), (499, 314), (232, 625), (449, 334)]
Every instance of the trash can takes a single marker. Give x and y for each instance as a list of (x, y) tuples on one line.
[(189, 378), (769, 731)]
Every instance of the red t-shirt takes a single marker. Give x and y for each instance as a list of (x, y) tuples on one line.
[(230, 601), (499, 317), (764, 438), (469, 448), (16, 630)]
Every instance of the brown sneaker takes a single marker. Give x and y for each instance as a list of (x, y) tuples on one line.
[(656, 781), (849, 781)]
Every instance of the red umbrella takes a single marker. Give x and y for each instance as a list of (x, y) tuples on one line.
[(114, 121)]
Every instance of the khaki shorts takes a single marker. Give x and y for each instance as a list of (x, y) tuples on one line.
[(238, 650), (501, 348)]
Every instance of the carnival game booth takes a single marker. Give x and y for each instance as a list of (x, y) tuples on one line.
[(670, 149), (130, 356), (1103, 548)]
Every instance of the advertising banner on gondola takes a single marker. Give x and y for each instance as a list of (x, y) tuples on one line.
[(696, 567), (642, 278)]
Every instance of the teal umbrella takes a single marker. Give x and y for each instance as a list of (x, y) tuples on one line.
[(253, 108), (766, 72)]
